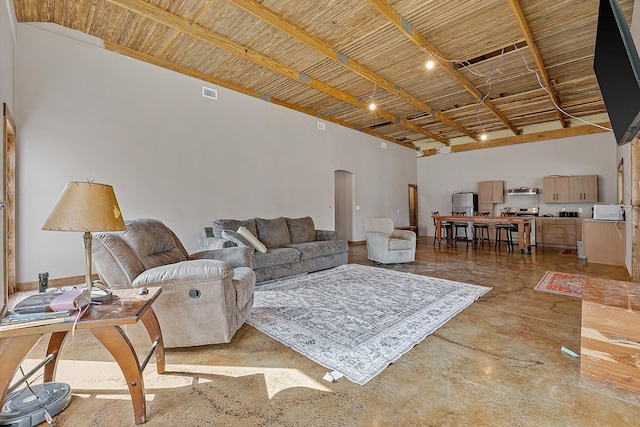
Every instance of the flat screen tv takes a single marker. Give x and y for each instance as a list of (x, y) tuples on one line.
[(617, 68)]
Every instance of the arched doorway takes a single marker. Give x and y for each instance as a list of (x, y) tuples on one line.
[(344, 201)]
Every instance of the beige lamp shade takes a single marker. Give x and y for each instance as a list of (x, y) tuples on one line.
[(86, 206)]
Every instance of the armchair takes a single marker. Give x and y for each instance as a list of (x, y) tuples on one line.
[(386, 245), (206, 296)]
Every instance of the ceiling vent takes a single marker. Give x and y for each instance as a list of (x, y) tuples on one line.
[(210, 93)]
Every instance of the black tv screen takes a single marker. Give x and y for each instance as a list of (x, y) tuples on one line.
[(617, 69)]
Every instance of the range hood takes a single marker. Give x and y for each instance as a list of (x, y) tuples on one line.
[(522, 191)]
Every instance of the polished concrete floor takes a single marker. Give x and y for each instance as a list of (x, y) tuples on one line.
[(498, 363)]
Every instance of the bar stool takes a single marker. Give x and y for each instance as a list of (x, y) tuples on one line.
[(458, 225), (482, 226), (446, 230), (508, 228)]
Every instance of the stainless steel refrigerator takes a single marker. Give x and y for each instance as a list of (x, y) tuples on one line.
[(465, 202)]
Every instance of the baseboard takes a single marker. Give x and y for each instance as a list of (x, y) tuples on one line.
[(53, 283), (357, 242)]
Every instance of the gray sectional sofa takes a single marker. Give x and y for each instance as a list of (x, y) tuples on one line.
[(293, 245)]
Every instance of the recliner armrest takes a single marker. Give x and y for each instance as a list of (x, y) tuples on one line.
[(238, 256), (196, 271)]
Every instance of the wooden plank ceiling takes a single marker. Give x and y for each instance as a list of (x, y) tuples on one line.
[(500, 65)]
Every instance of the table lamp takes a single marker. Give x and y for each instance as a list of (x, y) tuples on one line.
[(87, 207)]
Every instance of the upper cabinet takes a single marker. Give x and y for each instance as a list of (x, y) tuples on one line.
[(490, 192), (575, 189)]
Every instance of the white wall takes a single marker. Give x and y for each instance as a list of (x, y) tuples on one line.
[(7, 48), (87, 113), (519, 166)]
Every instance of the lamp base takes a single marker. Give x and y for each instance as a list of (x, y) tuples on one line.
[(100, 293)]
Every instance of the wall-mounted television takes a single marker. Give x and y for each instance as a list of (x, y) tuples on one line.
[(617, 68)]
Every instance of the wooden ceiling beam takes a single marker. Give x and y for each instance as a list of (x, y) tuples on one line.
[(123, 50), (297, 32), (175, 33), (528, 36), (198, 32), (407, 29), (521, 139)]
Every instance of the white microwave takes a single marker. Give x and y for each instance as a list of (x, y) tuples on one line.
[(607, 212)]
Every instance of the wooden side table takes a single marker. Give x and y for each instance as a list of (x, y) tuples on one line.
[(104, 321)]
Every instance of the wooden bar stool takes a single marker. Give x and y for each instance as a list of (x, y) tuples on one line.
[(460, 225), (507, 228), (483, 227), (446, 230)]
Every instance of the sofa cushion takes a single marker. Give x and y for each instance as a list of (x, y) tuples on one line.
[(316, 249), (236, 238), (257, 244), (301, 229), (233, 224), (273, 232), (275, 256)]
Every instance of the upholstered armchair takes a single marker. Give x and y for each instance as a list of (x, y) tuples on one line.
[(205, 296), (386, 245)]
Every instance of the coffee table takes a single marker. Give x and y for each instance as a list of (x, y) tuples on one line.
[(104, 321)]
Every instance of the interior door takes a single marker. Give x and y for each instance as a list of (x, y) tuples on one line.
[(413, 205)]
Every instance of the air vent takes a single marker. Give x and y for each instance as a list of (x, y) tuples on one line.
[(210, 93), (322, 126)]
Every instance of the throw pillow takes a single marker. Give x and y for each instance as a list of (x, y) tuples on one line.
[(301, 229), (236, 238), (273, 232), (260, 247)]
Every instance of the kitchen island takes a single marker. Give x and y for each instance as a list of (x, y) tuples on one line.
[(523, 223)]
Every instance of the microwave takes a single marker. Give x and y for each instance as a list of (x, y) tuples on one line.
[(607, 212)]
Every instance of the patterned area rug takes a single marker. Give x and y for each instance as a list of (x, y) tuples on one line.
[(562, 283), (357, 319)]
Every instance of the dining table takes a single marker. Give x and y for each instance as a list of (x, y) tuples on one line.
[(523, 222)]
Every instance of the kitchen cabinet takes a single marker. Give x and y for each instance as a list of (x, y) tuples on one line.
[(604, 241), (555, 189), (583, 188), (557, 231), (489, 193), (570, 189)]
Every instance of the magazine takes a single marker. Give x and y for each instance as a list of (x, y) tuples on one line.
[(56, 301), (16, 320)]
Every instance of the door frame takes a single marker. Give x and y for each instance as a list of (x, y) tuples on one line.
[(9, 203)]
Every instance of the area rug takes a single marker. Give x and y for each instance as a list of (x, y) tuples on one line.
[(568, 252), (562, 283), (356, 319)]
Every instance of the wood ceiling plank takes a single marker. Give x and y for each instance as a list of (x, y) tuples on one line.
[(392, 15), (299, 33), (526, 31), (193, 30), (521, 139)]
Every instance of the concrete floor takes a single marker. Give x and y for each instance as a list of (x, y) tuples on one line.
[(498, 363)]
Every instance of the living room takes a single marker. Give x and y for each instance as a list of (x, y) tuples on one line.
[(83, 112)]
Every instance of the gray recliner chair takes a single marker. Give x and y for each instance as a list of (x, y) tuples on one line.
[(205, 297), (386, 245)]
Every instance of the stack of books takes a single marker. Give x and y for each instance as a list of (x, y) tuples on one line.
[(47, 308)]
